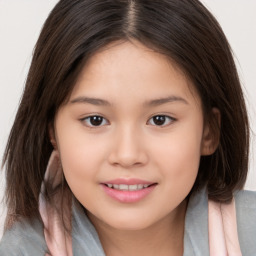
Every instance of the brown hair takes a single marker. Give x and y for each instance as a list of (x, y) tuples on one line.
[(184, 30)]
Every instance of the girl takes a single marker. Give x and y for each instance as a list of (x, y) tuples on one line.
[(131, 137)]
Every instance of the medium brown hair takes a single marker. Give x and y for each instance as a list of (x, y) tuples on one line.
[(183, 30)]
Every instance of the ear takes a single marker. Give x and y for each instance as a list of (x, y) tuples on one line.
[(211, 134), (52, 136)]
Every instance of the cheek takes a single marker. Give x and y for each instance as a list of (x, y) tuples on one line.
[(179, 168), (81, 161), (81, 155), (179, 154)]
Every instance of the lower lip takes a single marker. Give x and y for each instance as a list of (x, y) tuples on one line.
[(128, 196)]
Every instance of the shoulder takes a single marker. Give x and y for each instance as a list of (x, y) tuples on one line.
[(246, 206), (246, 199), (246, 220), (25, 238)]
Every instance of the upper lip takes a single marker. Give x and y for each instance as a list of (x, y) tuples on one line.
[(130, 181)]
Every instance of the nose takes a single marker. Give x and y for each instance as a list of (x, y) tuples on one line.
[(128, 149)]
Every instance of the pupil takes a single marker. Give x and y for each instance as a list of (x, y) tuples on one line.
[(159, 120), (96, 120)]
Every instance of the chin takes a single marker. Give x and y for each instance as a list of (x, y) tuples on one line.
[(130, 221), (130, 226)]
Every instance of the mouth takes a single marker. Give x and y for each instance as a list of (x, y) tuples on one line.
[(128, 191), (126, 187)]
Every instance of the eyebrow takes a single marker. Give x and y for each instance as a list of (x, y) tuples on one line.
[(168, 99), (155, 102), (93, 101)]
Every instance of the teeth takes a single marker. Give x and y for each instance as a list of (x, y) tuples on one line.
[(133, 187), (125, 187), (140, 186)]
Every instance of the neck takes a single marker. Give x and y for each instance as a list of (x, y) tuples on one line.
[(164, 238)]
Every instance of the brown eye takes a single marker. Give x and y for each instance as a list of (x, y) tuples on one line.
[(161, 120), (94, 121)]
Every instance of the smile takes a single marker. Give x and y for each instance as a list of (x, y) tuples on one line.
[(128, 191), (125, 187)]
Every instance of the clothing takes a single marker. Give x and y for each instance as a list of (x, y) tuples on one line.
[(196, 224), (27, 239)]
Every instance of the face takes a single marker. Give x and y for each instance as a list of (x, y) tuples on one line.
[(131, 136)]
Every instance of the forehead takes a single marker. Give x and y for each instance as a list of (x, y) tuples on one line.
[(125, 68)]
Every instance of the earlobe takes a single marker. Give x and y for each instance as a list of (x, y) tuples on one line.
[(211, 134), (52, 136)]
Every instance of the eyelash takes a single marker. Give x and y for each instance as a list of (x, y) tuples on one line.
[(170, 120), (88, 119)]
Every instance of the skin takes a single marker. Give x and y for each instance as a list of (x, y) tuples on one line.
[(129, 144)]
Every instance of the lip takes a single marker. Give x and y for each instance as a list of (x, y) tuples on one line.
[(128, 196), (128, 181)]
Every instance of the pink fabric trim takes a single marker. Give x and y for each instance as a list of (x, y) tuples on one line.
[(57, 238), (223, 236)]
